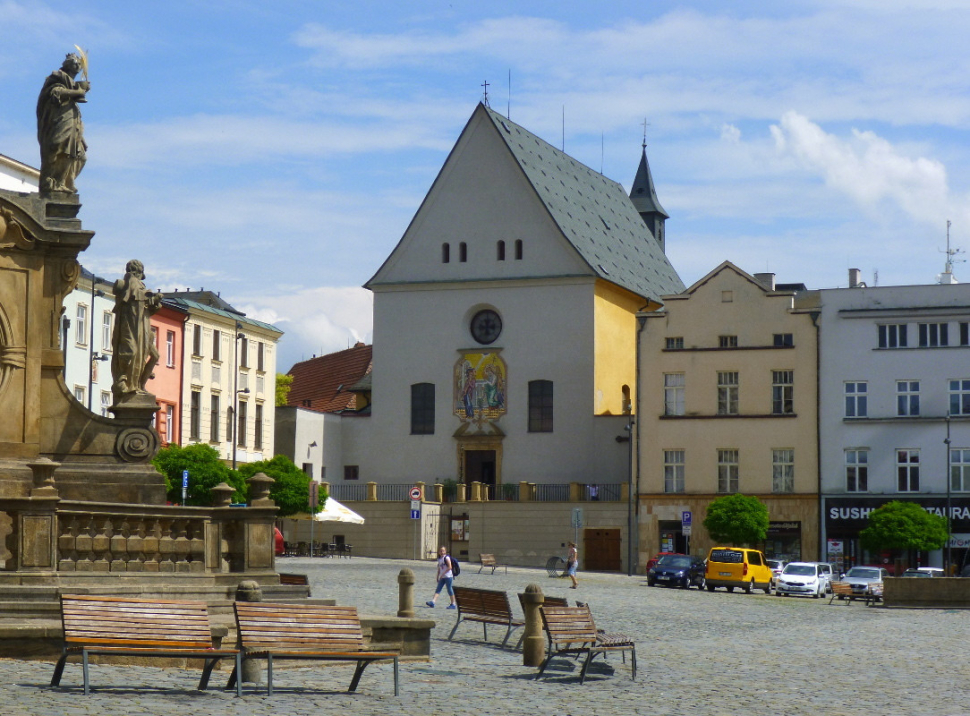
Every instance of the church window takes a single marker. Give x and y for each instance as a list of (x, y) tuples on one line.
[(501, 250), (422, 409), (445, 253), (463, 252), (518, 249), (540, 406)]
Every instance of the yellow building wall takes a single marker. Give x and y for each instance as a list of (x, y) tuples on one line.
[(614, 334)]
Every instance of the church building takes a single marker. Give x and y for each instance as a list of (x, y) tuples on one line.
[(505, 319)]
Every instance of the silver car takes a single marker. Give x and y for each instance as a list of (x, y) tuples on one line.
[(861, 577), (805, 579)]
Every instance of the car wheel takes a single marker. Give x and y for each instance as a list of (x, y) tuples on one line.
[(819, 593), (777, 594), (710, 587), (730, 589), (651, 583), (767, 588), (748, 587), (701, 583), (686, 583)]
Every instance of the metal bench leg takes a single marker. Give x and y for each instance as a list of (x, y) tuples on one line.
[(269, 675), (455, 628), (361, 665), (543, 666), (582, 674), (395, 676), (633, 661), (237, 669), (485, 630), (84, 668), (207, 672), (59, 669)]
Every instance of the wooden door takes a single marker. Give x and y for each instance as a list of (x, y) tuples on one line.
[(602, 549)]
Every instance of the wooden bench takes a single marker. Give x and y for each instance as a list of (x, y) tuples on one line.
[(102, 626), (843, 590), (571, 631), (488, 560), (487, 606), (306, 632)]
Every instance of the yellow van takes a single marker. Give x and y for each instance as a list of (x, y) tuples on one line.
[(737, 567)]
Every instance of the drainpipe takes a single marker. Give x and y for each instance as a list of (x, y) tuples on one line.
[(633, 513), (815, 315)]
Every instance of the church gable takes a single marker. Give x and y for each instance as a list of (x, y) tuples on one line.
[(481, 220)]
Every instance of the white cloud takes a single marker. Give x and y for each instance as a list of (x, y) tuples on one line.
[(730, 133), (316, 321), (866, 167)]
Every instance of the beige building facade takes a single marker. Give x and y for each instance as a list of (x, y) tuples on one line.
[(728, 404)]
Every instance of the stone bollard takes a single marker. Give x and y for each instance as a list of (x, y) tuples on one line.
[(250, 591), (533, 645), (405, 598)]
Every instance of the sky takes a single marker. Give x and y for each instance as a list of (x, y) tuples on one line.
[(276, 152)]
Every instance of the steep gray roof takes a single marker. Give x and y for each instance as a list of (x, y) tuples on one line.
[(179, 300), (594, 214)]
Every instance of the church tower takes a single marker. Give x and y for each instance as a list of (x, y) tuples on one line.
[(644, 197)]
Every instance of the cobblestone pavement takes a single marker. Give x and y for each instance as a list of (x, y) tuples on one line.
[(700, 653)]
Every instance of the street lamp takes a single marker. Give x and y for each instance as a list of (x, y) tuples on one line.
[(236, 391), (949, 516), (95, 292)]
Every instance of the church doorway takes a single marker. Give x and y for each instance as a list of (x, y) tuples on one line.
[(480, 466)]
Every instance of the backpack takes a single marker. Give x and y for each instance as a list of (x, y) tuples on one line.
[(455, 569)]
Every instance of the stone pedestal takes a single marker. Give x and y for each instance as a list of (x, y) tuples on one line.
[(533, 645)]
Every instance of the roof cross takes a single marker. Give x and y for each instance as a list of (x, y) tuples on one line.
[(485, 85)]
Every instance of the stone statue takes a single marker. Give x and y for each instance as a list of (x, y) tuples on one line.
[(135, 353), (60, 130)]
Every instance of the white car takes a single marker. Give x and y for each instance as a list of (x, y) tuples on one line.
[(804, 579), (775, 565)]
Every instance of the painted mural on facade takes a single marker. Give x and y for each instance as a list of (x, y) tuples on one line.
[(480, 380)]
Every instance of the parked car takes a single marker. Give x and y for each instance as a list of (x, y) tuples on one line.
[(859, 578), (804, 579), (732, 567), (653, 562), (775, 565), (677, 570), (829, 573), (924, 572)]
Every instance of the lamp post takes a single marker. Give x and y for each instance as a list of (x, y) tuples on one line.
[(631, 535), (949, 515), (236, 391), (95, 293)]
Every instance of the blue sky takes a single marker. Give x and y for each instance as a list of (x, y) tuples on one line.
[(276, 152)]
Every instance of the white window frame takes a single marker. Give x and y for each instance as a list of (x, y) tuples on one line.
[(107, 331), (959, 396), (170, 349), (856, 398), (893, 335), (856, 470), (728, 471), (81, 324), (907, 398), (674, 387), (105, 403), (782, 392), (728, 392), (783, 470), (933, 335), (674, 471), (907, 470), (960, 469)]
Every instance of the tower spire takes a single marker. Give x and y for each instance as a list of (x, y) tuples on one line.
[(643, 194)]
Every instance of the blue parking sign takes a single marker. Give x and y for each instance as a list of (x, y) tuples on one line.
[(685, 518)]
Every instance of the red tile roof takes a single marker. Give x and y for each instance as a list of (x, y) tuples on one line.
[(324, 383)]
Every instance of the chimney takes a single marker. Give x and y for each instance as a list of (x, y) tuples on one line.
[(766, 279), (854, 276)]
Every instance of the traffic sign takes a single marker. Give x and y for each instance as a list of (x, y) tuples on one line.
[(577, 517), (415, 504), (685, 523), (185, 478), (415, 514), (415, 493)]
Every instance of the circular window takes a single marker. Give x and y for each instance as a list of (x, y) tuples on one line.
[(486, 326)]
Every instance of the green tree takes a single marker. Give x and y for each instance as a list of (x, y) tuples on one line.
[(737, 520), (903, 526), (291, 491), (206, 470), (283, 385)]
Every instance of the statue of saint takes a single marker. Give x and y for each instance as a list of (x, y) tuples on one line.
[(60, 130), (135, 354)]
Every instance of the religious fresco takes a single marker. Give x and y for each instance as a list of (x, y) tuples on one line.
[(480, 386)]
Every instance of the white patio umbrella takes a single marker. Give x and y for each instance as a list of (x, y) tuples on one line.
[(333, 511)]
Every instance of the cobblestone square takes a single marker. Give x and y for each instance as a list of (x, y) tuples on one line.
[(699, 653)]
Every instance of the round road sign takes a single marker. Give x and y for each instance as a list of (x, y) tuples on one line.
[(415, 493)]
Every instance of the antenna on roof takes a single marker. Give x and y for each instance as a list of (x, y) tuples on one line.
[(508, 106), (485, 85), (564, 129), (947, 276)]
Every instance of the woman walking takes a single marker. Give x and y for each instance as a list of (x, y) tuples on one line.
[(572, 562), (445, 578)]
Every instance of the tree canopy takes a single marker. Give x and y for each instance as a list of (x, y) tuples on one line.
[(737, 520), (283, 385), (291, 491), (206, 470), (903, 526)]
